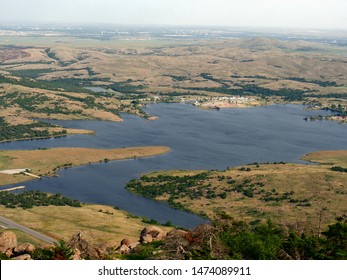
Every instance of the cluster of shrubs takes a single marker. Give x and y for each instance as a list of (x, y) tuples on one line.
[(28, 199), (227, 238), (25, 131), (339, 169), (175, 187)]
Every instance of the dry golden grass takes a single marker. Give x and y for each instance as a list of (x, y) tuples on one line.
[(175, 173), (154, 64), (324, 189), (144, 63), (97, 223), (337, 157), (45, 161)]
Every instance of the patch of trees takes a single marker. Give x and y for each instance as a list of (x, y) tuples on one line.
[(88, 102), (256, 189), (28, 102), (58, 110), (50, 54), (339, 169), (29, 199), (208, 76), (126, 88), (26, 63), (255, 77), (329, 95), (59, 251), (90, 71), (26, 131), (70, 84), (31, 73), (246, 60), (63, 84), (33, 103), (133, 96), (251, 89), (201, 186), (227, 239), (65, 166), (338, 109), (288, 94), (178, 78), (194, 187), (318, 82)]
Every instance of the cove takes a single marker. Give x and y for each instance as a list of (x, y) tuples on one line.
[(199, 139)]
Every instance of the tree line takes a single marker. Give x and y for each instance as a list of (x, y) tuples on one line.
[(29, 199)]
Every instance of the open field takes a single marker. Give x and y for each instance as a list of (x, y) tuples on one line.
[(284, 192), (47, 161), (97, 223)]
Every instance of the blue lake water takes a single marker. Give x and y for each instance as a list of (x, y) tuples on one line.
[(199, 139)]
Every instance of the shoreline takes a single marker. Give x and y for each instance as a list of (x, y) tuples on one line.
[(203, 106), (83, 132)]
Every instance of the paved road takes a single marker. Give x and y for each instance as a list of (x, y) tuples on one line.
[(6, 223)]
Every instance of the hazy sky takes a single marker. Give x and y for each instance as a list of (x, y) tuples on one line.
[(262, 13)]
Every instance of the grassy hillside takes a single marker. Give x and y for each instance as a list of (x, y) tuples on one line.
[(97, 223), (55, 81), (283, 192)]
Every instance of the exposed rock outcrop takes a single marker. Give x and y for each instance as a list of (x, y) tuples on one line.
[(152, 233), (10, 247), (8, 241), (127, 245), (82, 249), (25, 248), (25, 257), (127, 241), (124, 249)]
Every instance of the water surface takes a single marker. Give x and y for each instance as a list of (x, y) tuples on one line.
[(199, 139)]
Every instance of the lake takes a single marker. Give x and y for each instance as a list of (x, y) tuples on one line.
[(199, 139)]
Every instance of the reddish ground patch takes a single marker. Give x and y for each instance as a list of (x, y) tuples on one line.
[(7, 54)]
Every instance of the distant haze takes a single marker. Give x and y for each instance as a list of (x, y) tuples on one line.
[(241, 13)]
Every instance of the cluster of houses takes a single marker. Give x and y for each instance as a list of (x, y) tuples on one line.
[(224, 99)]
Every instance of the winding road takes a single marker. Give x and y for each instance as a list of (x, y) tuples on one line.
[(8, 224)]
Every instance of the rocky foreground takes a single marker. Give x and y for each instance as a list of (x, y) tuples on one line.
[(10, 247), (78, 248), (223, 239)]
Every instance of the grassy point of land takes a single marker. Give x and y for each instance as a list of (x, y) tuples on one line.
[(338, 157), (48, 161), (284, 192)]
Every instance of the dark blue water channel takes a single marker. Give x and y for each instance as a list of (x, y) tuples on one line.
[(199, 139)]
